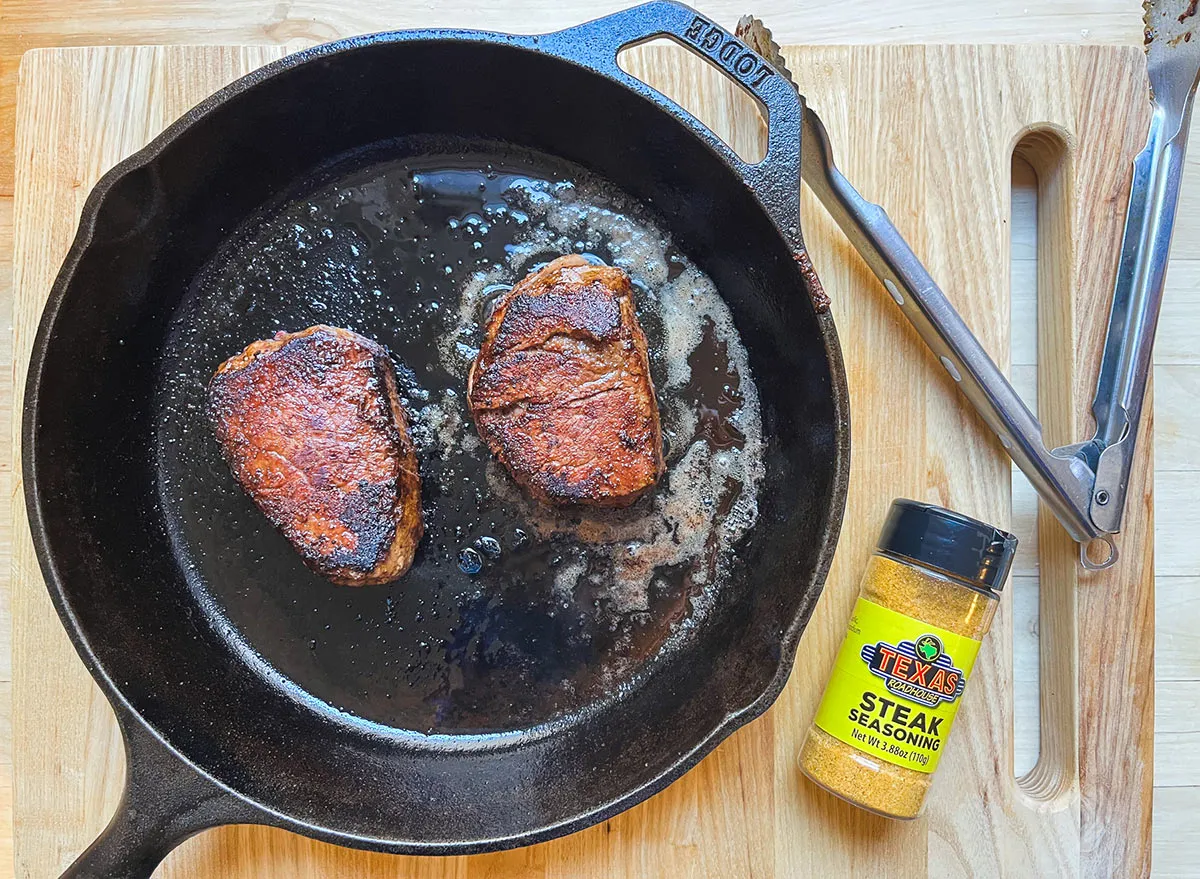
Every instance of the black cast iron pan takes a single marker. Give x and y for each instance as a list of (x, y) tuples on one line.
[(249, 690)]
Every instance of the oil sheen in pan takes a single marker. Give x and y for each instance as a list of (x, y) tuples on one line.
[(512, 615)]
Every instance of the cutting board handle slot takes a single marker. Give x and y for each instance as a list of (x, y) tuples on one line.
[(1049, 149)]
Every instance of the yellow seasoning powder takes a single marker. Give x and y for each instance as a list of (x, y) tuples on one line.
[(926, 600)]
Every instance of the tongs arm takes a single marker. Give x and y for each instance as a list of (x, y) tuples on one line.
[(1063, 482), (1137, 299), (1084, 484)]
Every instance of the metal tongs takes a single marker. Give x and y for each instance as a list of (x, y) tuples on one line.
[(1084, 483)]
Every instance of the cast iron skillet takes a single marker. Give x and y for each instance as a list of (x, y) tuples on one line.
[(214, 733)]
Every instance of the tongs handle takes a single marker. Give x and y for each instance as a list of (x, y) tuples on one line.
[(1063, 482)]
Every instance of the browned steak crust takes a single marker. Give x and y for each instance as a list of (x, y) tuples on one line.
[(561, 390), (312, 427)]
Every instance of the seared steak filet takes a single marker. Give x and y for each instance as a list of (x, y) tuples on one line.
[(561, 390), (312, 428)]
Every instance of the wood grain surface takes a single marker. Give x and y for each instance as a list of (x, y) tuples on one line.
[(928, 132), (29, 24)]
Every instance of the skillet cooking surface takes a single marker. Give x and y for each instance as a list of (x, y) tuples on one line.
[(399, 243)]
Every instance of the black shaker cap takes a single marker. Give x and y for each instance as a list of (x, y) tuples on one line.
[(973, 552)]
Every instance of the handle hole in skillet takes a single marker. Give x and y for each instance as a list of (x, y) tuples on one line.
[(728, 109)]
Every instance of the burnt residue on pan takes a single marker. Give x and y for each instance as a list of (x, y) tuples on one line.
[(816, 290), (513, 614)]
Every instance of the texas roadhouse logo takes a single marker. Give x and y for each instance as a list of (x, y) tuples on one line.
[(919, 670)]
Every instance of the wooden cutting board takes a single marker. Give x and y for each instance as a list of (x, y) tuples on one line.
[(928, 131)]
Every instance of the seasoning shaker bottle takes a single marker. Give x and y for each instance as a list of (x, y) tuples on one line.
[(926, 600)]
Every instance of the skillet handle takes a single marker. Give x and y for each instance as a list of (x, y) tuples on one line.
[(776, 179), (165, 801)]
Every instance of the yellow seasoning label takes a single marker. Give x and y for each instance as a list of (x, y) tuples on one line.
[(896, 686)]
